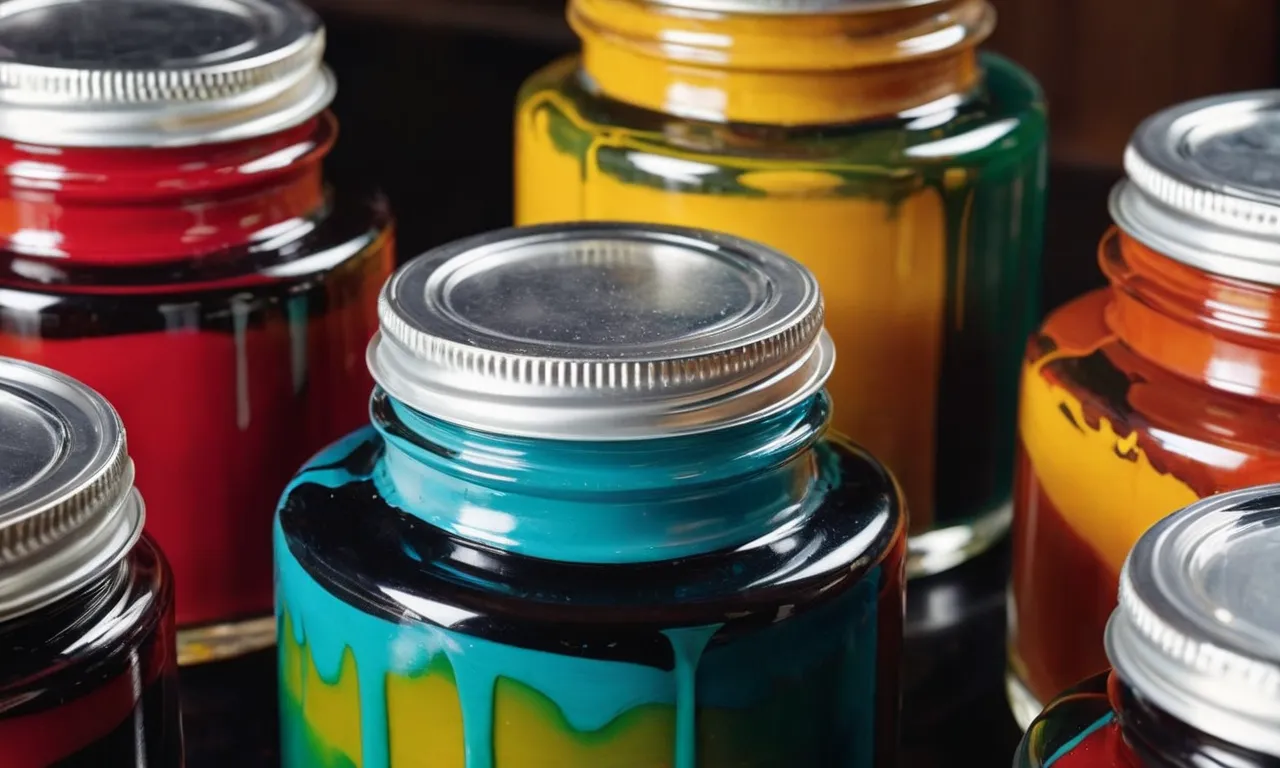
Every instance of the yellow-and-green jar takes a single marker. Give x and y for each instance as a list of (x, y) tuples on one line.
[(870, 140)]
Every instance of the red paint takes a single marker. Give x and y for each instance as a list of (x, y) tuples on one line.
[(38, 740), (1103, 748), (223, 391), (135, 206), (210, 472)]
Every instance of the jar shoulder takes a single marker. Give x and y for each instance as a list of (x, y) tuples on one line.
[(1077, 730), (92, 636), (322, 516), (1077, 368), (352, 234), (1003, 121)]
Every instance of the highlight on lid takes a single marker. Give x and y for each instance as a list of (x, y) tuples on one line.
[(1140, 398), (596, 518), (162, 198), (1194, 647)]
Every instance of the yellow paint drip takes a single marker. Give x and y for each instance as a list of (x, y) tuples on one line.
[(332, 708), (529, 727), (425, 719), (1099, 479), (290, 661)]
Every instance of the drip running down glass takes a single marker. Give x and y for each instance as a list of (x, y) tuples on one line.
[(596, 520)]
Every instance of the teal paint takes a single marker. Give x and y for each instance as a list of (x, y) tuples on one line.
[(629, 501), (1075, 741), (828, 650), (688, 645)]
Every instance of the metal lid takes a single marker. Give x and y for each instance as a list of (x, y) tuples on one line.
[(149, 73), (1204, 185), (68, 510), (797, 7), (601, 332), (1197, 631)]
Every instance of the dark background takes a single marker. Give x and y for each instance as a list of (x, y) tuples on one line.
[(425, 102)]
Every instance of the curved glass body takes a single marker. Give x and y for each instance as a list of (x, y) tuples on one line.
[(92, 680), (913, 190), (1104, 723), (221, 298), (1136, 401), (463, 599)]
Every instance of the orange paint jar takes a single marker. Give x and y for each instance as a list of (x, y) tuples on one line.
[(1140, 398)]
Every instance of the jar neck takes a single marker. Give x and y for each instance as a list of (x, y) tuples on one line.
[(130, 206), (604, 502), (1159, 739), (1220, 331), (781, 69)]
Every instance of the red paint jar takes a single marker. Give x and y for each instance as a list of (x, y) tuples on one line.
[(169, 239), (89, 672)]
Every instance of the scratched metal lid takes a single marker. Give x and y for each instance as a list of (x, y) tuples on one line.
[(601, 332), (1197, 632), (68, 509), (1203, 185), (149, 73)]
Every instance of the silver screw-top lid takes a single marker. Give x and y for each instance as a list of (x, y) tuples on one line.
[(68, 509), (1197, 632), (794, 7), (151, 73), (1204, 185), (601, 332)]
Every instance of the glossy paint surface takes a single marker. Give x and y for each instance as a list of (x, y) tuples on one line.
[(411, 635), (221, 298), (1136, 401), (1105, 723), (92, 680), (923, 229)]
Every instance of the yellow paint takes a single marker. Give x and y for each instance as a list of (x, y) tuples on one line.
[(788, 69), (425, 719), (882, 267), (291, 661), (1107, 500), (332, 708), (529, 728), (548, 181)]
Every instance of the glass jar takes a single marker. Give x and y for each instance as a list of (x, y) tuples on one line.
[(89, 671), (167, 237), (1194, 646), (871, 142), (595, 522), (1161, 389)]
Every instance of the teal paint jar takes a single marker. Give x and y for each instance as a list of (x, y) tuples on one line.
[(596, 521)]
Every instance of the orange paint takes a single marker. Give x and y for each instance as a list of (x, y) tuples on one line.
[(1136, 401)]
